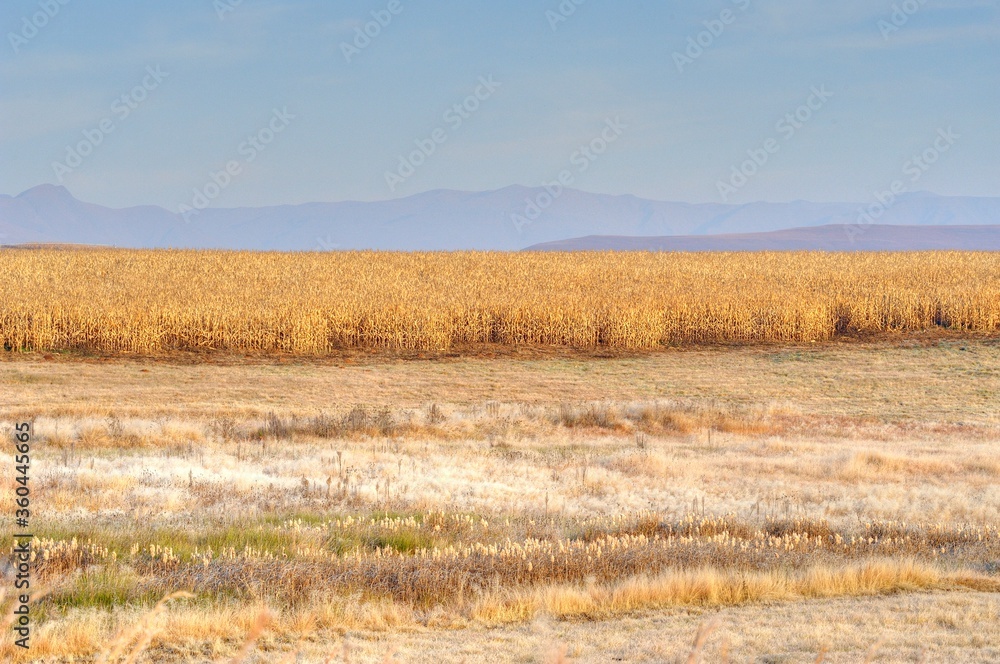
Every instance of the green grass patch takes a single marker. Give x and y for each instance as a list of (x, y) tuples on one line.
[(107, 587), (403, 541)]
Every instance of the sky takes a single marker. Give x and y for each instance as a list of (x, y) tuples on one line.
[(252, 102)]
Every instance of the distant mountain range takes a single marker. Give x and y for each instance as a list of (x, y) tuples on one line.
[(833, 237), (507, 219)]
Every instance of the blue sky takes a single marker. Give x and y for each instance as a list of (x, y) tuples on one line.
[(201, 77)]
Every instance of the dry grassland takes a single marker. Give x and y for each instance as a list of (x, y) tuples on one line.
[(838, 496)]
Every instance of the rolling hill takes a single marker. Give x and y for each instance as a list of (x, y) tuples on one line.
[(832, 237)]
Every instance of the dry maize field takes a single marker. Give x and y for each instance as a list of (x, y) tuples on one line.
[(317, 304), (317, 457)]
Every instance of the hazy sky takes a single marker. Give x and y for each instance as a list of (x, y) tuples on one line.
[(669, 97)]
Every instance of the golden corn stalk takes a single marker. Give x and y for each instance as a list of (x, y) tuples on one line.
[(316, 303)]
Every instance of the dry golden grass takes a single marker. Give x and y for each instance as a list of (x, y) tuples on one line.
[(315, 304), (345, 564), (447, 509), (949, 384), (129, 635), (717, 587), (252, 633)]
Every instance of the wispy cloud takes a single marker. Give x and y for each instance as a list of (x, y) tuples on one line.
[(817, 26)]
